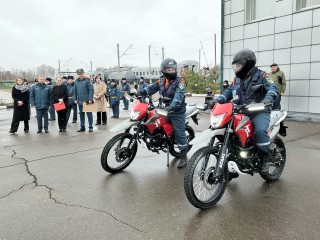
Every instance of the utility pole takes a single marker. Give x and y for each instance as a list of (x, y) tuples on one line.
[(59, 66), (215, 50), (199, 60), (118, 60), (162, 53), (91, 66), (150, 64)]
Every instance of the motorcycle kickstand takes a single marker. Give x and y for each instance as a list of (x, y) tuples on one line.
[(168, 157)]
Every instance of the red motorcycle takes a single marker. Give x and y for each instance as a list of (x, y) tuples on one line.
[(231, 152), (148, 126)]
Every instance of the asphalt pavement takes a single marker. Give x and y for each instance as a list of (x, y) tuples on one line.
[(53, 187)]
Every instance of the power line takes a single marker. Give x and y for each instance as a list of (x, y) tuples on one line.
[(204, 53)]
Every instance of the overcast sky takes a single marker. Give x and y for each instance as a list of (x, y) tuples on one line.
[(35, 32)]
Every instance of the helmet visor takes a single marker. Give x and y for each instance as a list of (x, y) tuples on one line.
[(237, 66), (170, 69)]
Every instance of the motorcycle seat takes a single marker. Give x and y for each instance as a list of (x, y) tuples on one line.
[(275, 117), (190, 109)]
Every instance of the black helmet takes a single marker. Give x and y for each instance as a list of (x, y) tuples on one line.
[(243, 61), (167, 63)]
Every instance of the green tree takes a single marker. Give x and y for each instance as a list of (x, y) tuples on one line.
[(198, 82)]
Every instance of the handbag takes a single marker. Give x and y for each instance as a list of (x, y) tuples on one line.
[(59, 107), (90, 107)]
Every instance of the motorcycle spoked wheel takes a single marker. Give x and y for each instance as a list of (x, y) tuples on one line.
[(276, 169), (199, 185), (116, 155), (174, 150)]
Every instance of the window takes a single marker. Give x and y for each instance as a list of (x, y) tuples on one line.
[(258, 9), (144, 73), (140, 73), (306, 3), (148, 73)]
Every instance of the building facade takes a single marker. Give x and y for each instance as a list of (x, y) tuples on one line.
[(286, 32)]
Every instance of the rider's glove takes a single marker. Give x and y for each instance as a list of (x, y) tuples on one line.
[(142, 92), (211, 103), (169, 109), (267, 101)]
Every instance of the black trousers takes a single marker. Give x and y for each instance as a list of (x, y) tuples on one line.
[(104, 117), (75, 112), (62, 119), (15, 125)]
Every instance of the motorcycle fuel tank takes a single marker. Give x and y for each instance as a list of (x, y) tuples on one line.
[(243, 128)]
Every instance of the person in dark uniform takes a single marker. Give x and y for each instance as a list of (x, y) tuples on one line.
[(142, 84), (21, 110), (40, 100), (225, 85), (108, 83), (83, 92), (51, 111), (71, 106), (114, 95), (247, 76), (174, 87), (125, 89)]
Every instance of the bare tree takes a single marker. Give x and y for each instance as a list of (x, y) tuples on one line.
[(48, 71)]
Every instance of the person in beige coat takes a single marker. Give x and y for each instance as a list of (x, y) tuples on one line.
[(100, 90)]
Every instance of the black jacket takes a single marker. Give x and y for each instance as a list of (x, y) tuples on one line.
[(20, 113), (58, 92)]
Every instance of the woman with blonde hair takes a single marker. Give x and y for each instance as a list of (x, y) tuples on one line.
[(21, 110), (100, 90), (59, 94)]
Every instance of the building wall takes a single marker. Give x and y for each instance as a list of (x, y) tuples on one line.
[(290, 38)]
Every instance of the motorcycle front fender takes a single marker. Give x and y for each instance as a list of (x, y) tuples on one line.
[(207, 134), (123, 125)]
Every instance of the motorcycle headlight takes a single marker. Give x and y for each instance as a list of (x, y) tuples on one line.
[(216, 120), (134, 115)]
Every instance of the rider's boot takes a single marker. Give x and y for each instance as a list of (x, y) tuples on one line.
[(264, 162), (183, 159), (283, 129), (233, 175)]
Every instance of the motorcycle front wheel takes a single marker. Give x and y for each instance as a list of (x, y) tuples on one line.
[(174, 150), (201, 187), (117, 155)]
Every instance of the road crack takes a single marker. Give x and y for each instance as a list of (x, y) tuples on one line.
[(50, 193), (16, 190)]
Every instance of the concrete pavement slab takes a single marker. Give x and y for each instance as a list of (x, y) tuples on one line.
[(63, 193)]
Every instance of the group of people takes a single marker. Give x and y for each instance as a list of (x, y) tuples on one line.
[(170, 85), (63, 97)]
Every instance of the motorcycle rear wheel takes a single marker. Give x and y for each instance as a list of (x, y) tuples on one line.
[(277, 168), (174, 151), (200, 190), (122, 157)]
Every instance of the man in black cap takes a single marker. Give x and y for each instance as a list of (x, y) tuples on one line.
[(72, 105), (83, 92), (64, 80), (279, 80), (142, 84), (114, 95), (51, 110), (125, 89)]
